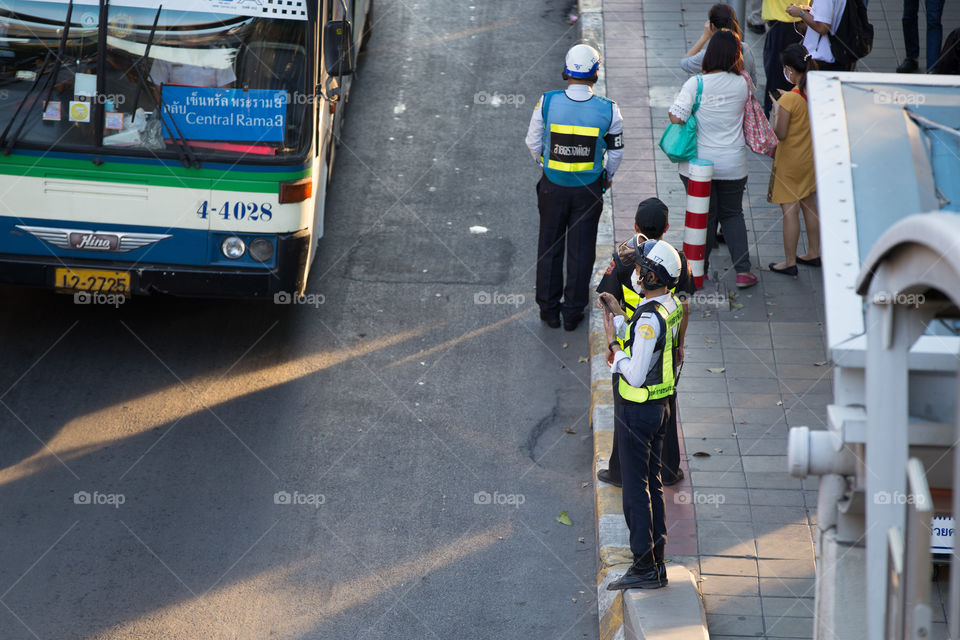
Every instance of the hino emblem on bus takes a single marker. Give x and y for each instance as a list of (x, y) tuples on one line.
[(88, 240)]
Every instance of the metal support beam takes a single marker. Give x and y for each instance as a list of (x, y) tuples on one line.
[(891, 330)]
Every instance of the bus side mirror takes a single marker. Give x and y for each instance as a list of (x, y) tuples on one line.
[(338, 48)]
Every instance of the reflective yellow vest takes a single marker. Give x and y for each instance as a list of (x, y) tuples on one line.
[(660, 379)]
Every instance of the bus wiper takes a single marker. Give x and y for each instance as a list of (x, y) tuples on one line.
[(41, 74), (185, 152)]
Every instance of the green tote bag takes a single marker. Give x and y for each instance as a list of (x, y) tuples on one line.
[(679, 141)]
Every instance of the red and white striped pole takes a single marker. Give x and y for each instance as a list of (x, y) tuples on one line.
[(698, 209)]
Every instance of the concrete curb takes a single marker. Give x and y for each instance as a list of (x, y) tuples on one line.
[(660, 614)]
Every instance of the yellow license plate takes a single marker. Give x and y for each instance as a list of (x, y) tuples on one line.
[(92, 280)]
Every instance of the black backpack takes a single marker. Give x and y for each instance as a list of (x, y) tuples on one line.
[(853, 38)]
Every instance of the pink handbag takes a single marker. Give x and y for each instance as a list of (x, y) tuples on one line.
[(757, 131)]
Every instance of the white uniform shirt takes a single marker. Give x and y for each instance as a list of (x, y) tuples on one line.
[(829, 12), (636, 366), (579, 93)]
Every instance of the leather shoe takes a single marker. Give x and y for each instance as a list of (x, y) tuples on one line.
[(642, 574), (552, 320), (604, 476), (673, 479), (813, 262), (570, 324), (659, 562), (910, 65)]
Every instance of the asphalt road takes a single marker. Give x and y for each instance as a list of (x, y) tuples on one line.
[(422, 425)]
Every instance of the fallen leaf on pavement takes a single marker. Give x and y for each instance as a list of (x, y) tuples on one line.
[(820, 364), (563, 518), (569, 430), (718, 450), (736, 305), (716, 369), (581, 541), (565, 345), (780, 403), (744, 422), (709, 340), (583, 359), (584, 485), (701, 454)]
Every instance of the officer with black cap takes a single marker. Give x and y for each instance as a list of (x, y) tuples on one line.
[(569, 132), (644, 366), (621, 281)]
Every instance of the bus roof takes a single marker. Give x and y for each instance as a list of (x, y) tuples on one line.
[(278, 9)]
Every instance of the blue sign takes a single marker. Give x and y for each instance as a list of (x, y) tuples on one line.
[(227, 115)]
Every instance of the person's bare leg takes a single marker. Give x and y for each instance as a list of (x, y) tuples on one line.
[(791, 234), (811, 218)]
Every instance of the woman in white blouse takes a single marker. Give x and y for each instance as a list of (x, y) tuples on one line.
[(720, 140)]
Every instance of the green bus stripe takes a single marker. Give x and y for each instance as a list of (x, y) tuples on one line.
[(153, 175)]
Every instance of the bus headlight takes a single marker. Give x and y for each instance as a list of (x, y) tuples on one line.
[(261, 249), (233, 247)]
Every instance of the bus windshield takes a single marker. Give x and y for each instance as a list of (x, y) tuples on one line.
[(153, 81)]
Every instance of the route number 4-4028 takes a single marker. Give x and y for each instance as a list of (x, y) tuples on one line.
[(238, 211)]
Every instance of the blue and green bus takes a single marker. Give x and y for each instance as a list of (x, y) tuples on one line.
[(179, 146)]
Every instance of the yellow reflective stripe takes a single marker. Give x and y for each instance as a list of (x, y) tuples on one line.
[(575, 130), (556, 165), (668, 381), (631, 299)]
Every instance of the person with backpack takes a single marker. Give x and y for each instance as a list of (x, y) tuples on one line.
[(821, 22)]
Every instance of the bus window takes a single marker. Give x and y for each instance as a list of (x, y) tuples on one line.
[(224, 85)]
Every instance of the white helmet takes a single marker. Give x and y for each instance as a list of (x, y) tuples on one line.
[(659, 264), (582, 61)]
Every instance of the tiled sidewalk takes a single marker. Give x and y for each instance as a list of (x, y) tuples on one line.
[(754, 523)]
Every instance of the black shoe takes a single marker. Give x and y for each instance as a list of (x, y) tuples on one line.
[(552, 319), (658, 561), (673, 479), (910, 65), (642, 574), (758, 29), (787, 271), (572, 323), (816, 262), (720, 238), (604, 476)]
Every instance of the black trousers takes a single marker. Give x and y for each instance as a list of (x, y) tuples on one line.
[(568, 219), (779, 35), (640, 446), (670, 457)]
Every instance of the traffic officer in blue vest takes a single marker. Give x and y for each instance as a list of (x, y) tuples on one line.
[(645, 370), (569, 132)]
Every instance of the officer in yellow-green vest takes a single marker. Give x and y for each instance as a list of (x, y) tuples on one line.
[(621, 281), (646, 377), (568, 135)]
